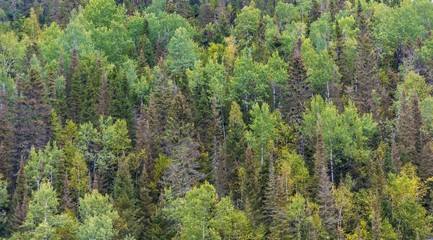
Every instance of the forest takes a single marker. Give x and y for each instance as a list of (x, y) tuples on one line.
[(216, 119)]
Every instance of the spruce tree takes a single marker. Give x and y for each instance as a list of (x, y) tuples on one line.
[(325, 188), (342, 58), (313, 15), (417, 124), (234, 149), (406, 131), (299, 90), (125, 201), (104, 95), (20, 199), (67, 202), (366, 87), (181, 146), (6, 131), (142, 138), (159, 104), (425, 169)]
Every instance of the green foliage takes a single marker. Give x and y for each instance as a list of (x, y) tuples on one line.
[(182, 52), (97, 217)]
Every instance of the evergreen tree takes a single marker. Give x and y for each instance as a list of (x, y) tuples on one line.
[(234, 149), (142, 138), (406, 131), (6, 132), (104, 95), (313, 15), (417, 124), (182, 147), (20, 198), (325, 187), (367, 89), (159, 104), (74, 88), (425, 169), (298, 88), (125, 201), (342, 58)]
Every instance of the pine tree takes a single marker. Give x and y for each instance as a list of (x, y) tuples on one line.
[(269, 207), (395, 154), (313, 15), (425, 169), (67, 202), (417, 124), (142, 138), (234, 149), (181, 146), (20, 199), (342, 58), (250, 187), (6, 131), (298, 88), (406, 131), (91, 93), (74, 89), (146, 206), (325, 187), (218, 161), (36, 98), (22, 133), (159, 103), (367, 89), (104, 95), (125, 201)]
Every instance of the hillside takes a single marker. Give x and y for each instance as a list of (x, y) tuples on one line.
[(216, 119)]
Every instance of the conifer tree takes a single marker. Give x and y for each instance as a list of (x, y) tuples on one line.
[(425, 169), (250, 188), (22, 133), (325, 187), (181, 146), (406, 131), (20, 199), (66, 198), (342, 59), (298, 88), (74, 88), (159, 103), (234, 149), (417, 124), (6, 132), (125, 201), (314, 14), (142, 137), (367, 89), (104, 95)]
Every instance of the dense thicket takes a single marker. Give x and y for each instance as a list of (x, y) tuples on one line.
[(265, 119)]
